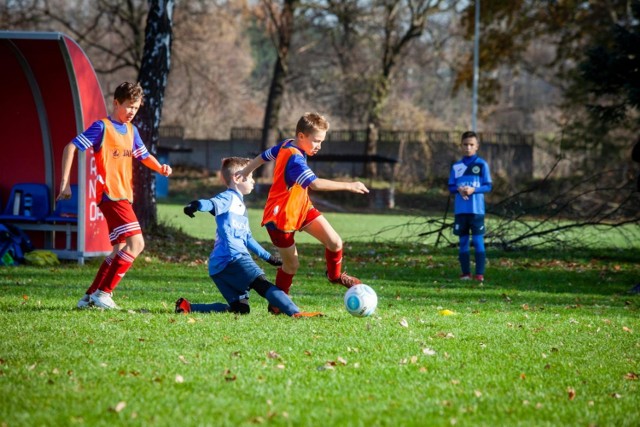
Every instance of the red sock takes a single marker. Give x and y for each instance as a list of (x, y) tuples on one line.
[(284, 280), (100, 275), (119, 267), (334, 263)]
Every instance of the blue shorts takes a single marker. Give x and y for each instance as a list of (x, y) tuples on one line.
[(233, 282), (468, 222)]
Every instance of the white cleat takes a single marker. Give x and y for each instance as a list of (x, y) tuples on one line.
[(85, 302), (103, 300)]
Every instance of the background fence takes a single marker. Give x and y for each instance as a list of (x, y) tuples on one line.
[(421, 156)]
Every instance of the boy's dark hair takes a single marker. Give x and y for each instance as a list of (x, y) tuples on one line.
[(127, 90), (469, 134), (231, 165), (311, 122)]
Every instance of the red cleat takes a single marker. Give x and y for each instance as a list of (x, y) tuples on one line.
[(183, 306), (273, 310), (345, 280)]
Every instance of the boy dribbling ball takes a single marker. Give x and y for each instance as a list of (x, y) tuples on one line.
[(289, 208)]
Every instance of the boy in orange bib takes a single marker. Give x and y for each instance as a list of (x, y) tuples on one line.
[(289, 209), (115, 142)]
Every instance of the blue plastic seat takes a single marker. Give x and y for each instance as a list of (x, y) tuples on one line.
[(66, 211), (28, 202)]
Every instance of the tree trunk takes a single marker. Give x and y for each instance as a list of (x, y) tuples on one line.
[(274, 102), (284, 26), (154, 72), (378, 99)]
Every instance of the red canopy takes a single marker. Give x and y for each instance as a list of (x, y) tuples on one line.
[(50, 93)]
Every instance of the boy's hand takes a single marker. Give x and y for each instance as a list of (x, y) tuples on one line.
[(65, 192), (191, 208), (241, 175), (463, 192), (358, 187), (165, 170), (274, 260)]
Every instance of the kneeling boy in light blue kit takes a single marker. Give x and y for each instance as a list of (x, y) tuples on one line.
[(231, 266), (469, 179)]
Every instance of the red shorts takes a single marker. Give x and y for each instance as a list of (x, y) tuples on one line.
[(282, 239), (121, 220)]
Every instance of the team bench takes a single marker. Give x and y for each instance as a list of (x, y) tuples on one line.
[(28, 208)]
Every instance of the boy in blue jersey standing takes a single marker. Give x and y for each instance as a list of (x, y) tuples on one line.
[(231, 267), (469, 179)]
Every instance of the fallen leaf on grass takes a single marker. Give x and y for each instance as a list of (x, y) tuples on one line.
[(631, 376), (183, 360), (179, 379), (228, 376), (273, 355), (616, 395), (428, 352), (446, 313), (571, 392), (624, 328), (119, 407), (404, 323), (412, 360), (327, 367)]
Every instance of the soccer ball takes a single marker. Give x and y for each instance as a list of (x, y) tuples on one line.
[(360, 300)]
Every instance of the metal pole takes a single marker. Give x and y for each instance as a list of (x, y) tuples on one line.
[(476, 54)]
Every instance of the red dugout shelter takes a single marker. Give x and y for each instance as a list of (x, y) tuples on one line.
[(50, 93)]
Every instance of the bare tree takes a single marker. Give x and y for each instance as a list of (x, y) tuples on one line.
[(281, 18), (154, 73), (404, 21)]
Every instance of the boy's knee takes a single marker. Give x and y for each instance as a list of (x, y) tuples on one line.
[(261, 285), (136, 245), (335, 244), (290, 265)]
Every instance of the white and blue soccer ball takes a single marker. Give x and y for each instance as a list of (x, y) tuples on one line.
[(361, 300)]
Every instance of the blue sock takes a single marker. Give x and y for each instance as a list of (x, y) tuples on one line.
[(278, 298), (465, 262), (481, 258), (464, 256), (480, 255), (216, 307)]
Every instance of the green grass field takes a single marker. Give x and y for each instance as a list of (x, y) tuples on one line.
[(550, 339)]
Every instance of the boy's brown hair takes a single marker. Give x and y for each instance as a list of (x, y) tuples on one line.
[(231, 165), (470, 134), (312, 122), (127, 90)]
